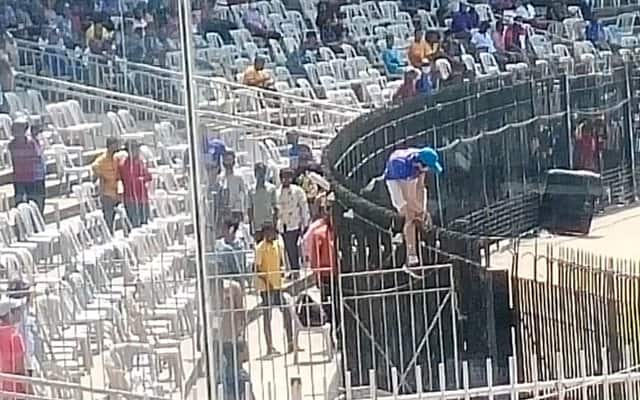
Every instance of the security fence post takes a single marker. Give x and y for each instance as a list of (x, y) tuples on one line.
[(631, 131), (568, 111)]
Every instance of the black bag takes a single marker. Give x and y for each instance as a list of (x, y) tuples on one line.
[(309, 312)]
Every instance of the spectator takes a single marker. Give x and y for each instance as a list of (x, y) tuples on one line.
[(28, 328), (329, 24), (310, 42), (135, 176), (319, 246), (463, 21), (105, 168), (418, 49), (40, 190), (25, 158), (9, 47), (293, 141), (483, 40), (404, 174), (155, 49), (232, 335), (257, 25), (408, 88), (586, 7), (270, 261), (302, 178), (230, 250), (433, 48), (255, 75), (233, 188), (12, 345), (7, 78), (263, 205), (557, 10), (525, 10), (588, 148), (596, 34), (392, 63), (425, 83), (134, 44), (293, 212), (97, 35), (65, 24), (498, 36), (514, 36)]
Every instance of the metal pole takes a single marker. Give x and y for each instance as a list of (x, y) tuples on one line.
[(123, 45), (191, 124), (568, 110), (632, 140)]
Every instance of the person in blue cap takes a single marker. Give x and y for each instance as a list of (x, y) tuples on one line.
[(404, 175)]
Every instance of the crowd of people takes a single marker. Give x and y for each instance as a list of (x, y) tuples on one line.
[(506, 40), (285, 220)]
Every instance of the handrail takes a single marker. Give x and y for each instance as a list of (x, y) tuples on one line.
[(73, 386), (176, 111), (171, 74)]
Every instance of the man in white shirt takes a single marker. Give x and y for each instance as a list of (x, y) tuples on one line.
[(293, 211), (482, 39)]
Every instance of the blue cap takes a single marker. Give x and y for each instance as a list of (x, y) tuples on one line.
[(215, 147), (429, 158)]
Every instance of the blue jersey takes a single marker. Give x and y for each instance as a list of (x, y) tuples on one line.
[(402, 165)]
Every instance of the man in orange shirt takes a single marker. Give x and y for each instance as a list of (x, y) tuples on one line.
[(418, 49)]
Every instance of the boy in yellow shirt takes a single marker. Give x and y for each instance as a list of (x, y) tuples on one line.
[(270, 260)]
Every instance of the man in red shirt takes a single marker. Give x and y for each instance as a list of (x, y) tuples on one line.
[(319, 247), (135, 177), (587, 148), (12, 346)]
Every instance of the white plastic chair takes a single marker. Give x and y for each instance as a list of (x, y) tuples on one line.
[(326, 54), (489, 64), (444, 67), (214, 39), (388, 11), (324, 330)]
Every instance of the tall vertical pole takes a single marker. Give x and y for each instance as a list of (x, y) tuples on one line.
[(196, 156), (123, 45), (567, 91), (632, 144)]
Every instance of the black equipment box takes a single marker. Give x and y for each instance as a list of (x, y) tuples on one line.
[(568, 201)]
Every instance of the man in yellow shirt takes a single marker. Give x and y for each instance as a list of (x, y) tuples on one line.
[(255, 75), (269, 262), (105, 167)]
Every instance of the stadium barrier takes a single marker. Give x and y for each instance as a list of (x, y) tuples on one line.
[(496, 144)]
